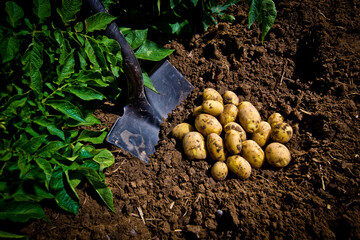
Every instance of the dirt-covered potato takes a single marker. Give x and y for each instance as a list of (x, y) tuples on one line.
[(262, 135), (212, 107), (281, 132), (233, 142), (229, 114), (230, 97), (181, 129), (206, 124), (215, 147), (277, 155), (239, 166), (275, 118), (253, 153), (197, 111), (219, 171), (237, 127), (249, 117), (194, 146), (212, 94)]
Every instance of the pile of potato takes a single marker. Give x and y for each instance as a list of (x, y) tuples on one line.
[(233, 134)]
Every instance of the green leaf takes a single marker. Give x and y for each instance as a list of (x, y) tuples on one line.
[(67, 108), (194, 2), (91, 78), (50, 149), (64, 71), (269, 14), (79, 27), (68, 9), (20, 211), (9, 47), (47, 169), (98, 21), (42, 8), (136, 38), (12, 105), (95, 137), (104, 158), (147, 81), (8, 235), (94, 53), (34, 143), (254, 11), (51, 127), (14, 13), (33, 192), (85, 93), (152, 51), (32, 61)]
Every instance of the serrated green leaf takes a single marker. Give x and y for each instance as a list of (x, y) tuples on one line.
[(9, 47), (14, 13), (147, 81), (32, 61), (85, 93), (34, 144), (8, 235), (68, 9), (98, 21), (104, 158), (95, 137), (51, 127), (64, 71), (67, 108), (136, 38), (152, 51), (42, 8), (20, 211)]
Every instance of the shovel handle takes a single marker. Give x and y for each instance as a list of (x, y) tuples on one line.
[(131, 65)]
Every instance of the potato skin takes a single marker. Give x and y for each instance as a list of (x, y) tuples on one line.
[(219, 171), (215, 147), (197, 111), (212, 107), (194, 146), (262, 135), (206, 124), (230, 97), (277, 155), (233, 142), (275, 118), (181, 129), (253, 153), (281, 132), (237, 127), (212, 94), (239, 166), (249, 117), (229, 114)]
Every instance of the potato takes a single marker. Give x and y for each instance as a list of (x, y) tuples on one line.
[(230, 97), (212, 94), (233, 142), (194, 146), (281, 132), (249, 117), (239, 166), (275, 118), (207, 124), (212, 107), (253, 153), (181, 129), (198, 110), (219, 170), (215, 147), (277, 155), (229, 114), (237, 127), (262, 135)]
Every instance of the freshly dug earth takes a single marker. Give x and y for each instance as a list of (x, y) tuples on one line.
[(308, 70)]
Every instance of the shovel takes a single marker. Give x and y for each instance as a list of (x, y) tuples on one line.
[(137, 130)]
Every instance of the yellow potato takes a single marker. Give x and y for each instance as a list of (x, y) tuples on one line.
[(206, 124), (262, 135), (212, 94), (277, 155), (275, 118), (229, 114), (233, 142), (230, 97), (219, 170), (212, 107), (249, 117), (194, 146), (237, 127), (253, 153), (198, 110), (281, 132), (215, 147), (239, 166), (181, 129)]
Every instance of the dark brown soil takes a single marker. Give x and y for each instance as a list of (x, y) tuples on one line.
[(308, 70)]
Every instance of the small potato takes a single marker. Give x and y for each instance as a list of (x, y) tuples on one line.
[(281, 132), (219, 171), (262, 135), (237, 127), (215, 147), (275, 118), (253, 153), (206, 124), (181, 129), (229, 114), (277, 155), (231, 97), (197, 111), (212, 107), (212, 94), (194, 146), (239, 166), (249, 117), (233, 142)]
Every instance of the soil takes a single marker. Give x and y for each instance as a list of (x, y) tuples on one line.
[(308, 70)]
